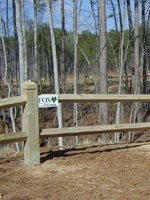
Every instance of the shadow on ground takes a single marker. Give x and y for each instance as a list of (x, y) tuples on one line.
[(84, 150)]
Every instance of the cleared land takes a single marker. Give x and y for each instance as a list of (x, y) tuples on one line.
[(99, 172), (111, 172)]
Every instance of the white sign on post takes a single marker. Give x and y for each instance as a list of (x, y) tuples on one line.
[(47, 100)]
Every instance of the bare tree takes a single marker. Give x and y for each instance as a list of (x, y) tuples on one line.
[(63, 48), (21, 44), (131, 42), (5, 78), (55, 66), (136, 48), (75, 31), (97, 47), (24, 41), (120, 16), (103, 60), (144, 48), (76, 18), (16, 55), (115, 16), (138, 114), (121, 66), (35, 43)]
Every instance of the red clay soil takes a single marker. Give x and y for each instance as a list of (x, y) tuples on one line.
[(115, 172)]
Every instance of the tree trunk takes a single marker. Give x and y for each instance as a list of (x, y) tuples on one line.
[(76, 18), (115, 18), (103, 107), (63, 48), (138, 106), (131, 44), (55, 66), (120, 16), (5, 78), (96, 29), (97, 64), (144, 48), (75, 31), (35, 44), (24, 42), (16, 55), (136, 49), (21, 45), (121, 65), (103, 60)]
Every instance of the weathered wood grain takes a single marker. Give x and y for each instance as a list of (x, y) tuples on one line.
[(31, 123), (12, 102), (87, 130), (14, 137), (82, 98)]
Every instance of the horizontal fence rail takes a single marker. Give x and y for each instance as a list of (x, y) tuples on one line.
[(30, 123), (83, 98), (12, 102), (14, 137), (86, 130), (30, 126)]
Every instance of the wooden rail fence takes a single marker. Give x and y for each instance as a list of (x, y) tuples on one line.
[(30, 123)]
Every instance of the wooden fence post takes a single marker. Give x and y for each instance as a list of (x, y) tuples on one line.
[(30, 123)]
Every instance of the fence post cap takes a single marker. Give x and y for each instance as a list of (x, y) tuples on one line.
[(29, 86)]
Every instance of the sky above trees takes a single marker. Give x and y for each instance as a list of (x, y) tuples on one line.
[(86, 19)]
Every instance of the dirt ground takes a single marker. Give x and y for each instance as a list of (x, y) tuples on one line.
[(115, 172)]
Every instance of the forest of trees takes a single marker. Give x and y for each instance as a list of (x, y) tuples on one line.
[(32, 48)]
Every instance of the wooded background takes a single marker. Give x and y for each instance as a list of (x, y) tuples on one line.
[(32, 48)]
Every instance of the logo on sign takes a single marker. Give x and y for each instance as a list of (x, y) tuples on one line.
[(47, 101), (54, 99)]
